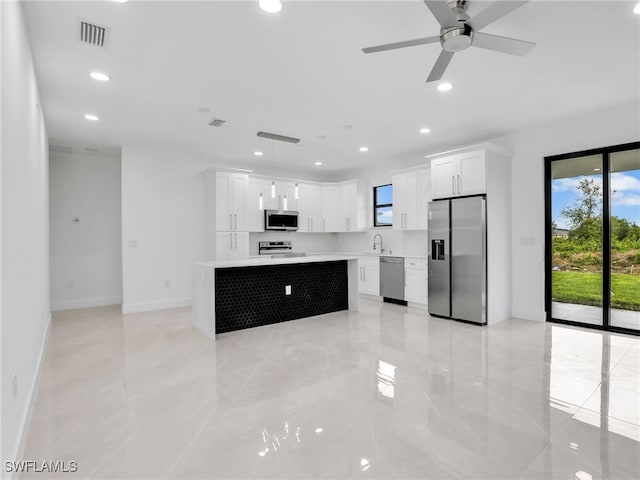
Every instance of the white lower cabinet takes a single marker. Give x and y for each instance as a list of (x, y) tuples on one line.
[(232, 246), (369, 275), (415, 280)]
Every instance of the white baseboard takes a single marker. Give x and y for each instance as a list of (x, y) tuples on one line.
[(370, 297), (162, 305), (33, 394), (85, 303), (420, 306)]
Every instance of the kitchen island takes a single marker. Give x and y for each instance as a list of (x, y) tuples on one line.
[(238, 294)]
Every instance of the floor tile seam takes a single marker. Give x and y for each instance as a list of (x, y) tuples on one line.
[(488, 451), (622, 357)]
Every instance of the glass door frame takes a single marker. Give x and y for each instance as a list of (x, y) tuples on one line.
[(606, 240)]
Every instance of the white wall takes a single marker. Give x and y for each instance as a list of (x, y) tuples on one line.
[(616, 125), (86, 256), (24, 253), (163, 213)]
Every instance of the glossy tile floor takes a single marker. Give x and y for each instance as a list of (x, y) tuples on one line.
[(386, 392)]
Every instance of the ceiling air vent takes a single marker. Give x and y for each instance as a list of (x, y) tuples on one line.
[(216, 122), (93, 34)]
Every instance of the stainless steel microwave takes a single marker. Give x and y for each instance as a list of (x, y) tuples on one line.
[(280, 220)]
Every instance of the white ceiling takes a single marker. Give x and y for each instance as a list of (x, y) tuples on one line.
[(302, 73)]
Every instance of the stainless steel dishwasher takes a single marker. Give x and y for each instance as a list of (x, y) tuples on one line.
[(392, 279)]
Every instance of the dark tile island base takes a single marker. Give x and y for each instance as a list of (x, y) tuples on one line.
[(238, 294), (255, 296)]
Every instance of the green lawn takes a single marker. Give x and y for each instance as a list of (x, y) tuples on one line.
[(585, 288)]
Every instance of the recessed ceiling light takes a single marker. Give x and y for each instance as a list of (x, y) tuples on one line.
[(425, 130), (101, 77), (203, 110), (364, 149), (121, 1), (347, 127), (636, 10), (271, 6), (317, 164), (93, 118), (257, 153), (445, 87)]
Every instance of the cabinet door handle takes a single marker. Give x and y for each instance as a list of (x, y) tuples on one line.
[(235, 221), (230, 221), (459, 189), (453, 188)]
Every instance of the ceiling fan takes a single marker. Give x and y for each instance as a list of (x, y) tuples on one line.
[(459, 31)]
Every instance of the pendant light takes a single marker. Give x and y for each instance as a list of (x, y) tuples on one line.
[(273, 167), (296, 189), (285, 200)]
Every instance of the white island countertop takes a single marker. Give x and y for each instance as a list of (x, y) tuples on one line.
[(266, 260)]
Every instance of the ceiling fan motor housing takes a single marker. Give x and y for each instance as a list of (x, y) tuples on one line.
[(456, 39), (459, 9)]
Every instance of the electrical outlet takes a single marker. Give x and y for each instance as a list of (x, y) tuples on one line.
[(167, 283), (14, 384), (287, 290)]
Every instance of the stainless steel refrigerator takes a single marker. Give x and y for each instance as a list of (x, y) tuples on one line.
[(457, 249)]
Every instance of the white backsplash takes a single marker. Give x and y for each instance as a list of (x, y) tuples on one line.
[(302, 242), (395, 242)]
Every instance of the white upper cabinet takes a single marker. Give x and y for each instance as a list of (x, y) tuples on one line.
[(459, 174), (424, 197), (309, 207), (331, 217), (254, 204), (349, 205), (410, 197), (340, 207), (231, 190), (472, 176)]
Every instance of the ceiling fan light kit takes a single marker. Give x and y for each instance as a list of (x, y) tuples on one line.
[(459, 32)]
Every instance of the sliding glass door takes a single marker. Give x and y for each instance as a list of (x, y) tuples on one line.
[(593, 238), (625, 239)]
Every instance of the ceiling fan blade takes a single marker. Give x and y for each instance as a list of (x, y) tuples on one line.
[(441, 65), (494, 12), (406, 43), (442, 12), (502, 44)]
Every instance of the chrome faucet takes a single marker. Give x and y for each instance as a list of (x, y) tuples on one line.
[(377, 235)]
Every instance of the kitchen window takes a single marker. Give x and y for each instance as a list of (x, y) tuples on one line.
[(383, 205)]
